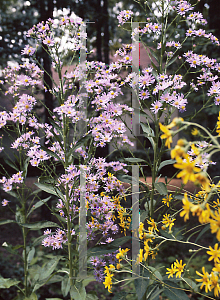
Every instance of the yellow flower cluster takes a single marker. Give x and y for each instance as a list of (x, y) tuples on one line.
[(120, 256), (177, 268), (189, 170), (108, 277), (210, 281), (167, 133), (167, 200), (123, 215), (204, 213), (168, 221), (125, 219), (218, 125), (148, 238)]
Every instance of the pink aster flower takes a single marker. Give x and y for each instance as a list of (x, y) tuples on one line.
[(217, 100), (183, 7), (144, 95), (124, 16), (28, 50), (156, 106), (5, 202), (48, 41)]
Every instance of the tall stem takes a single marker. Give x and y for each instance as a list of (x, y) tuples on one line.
[(69, 224), (24, 233)]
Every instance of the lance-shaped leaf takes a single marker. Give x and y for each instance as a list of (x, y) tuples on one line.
[(65, 286), (6, 283), (161, 188), (11, 164), (135, 160), (40, 225), (148, 133), (78, 291), (33, 296), (37, 205), (3, 222), (173, 292), (49, 267), (30, 255), (171, 61), (166, 163), (141, 284), (81, 142), (108, 248), (52, 279), (12, 249), (50, 189), (154, 54)]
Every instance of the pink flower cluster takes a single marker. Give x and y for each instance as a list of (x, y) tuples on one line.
[(183, 7), (55, 240), (14, 180), (124, 16), (100, 205)]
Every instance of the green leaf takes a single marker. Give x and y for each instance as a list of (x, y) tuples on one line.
[(154, 67), (149, 133), (38, 204), (154, 54), (141, 286), (3, 222), (11, 164), (142, 283), (206, 228), (161, 188), (49, 267), (81, 142), (78, 292), (128, 179), (172, 61), (91, 296), (191, 284), (166, 163), (40, 225), (30, 255), (173, 291), (19, 215), (155, 273), (52, 279), (155, 294), (12, 193), (108, 248), (33, 296), (65, 286), (147, 205), (134, 160), (6, 283), (147, 129), (25, 166), (86, 281), (143, 215), (12, 249), (50, 189)]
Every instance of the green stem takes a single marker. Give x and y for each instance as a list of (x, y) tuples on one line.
[(24, 233)]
